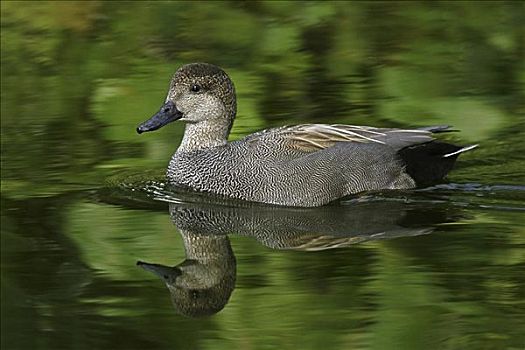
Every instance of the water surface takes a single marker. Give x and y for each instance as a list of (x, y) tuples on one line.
[(83, 197)]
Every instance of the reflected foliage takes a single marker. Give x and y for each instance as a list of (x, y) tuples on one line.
[(76, 77)]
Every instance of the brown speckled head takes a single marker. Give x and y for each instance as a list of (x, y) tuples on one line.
[(203, 96), (202, 91)]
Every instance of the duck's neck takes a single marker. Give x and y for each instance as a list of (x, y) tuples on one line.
[(204, 134), (205, 248)]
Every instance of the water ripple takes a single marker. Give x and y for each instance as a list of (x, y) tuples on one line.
[(469, 195)]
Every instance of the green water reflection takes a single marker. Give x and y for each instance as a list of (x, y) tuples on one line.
[(77, 77)]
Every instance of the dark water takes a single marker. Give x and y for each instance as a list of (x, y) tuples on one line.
[(83, 200)]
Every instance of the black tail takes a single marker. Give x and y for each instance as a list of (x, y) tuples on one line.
[(430, 162)]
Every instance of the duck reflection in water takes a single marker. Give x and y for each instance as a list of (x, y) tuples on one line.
[(202, 284)]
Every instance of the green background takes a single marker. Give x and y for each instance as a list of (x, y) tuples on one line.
[(78, 77)]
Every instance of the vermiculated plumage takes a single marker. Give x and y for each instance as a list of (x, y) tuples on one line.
[(302, 165)]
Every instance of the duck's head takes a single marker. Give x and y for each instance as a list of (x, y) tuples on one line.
[(198, 92), (197, 288)]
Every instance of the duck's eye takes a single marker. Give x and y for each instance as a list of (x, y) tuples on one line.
[(195, 88)]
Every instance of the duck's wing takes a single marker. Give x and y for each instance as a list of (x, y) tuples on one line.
[(313, 137)]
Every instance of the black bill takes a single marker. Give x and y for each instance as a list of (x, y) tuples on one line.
[(168, 274), (167, 114)]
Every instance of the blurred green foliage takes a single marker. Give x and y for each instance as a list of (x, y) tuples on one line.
[(78, 76), (76, 79)]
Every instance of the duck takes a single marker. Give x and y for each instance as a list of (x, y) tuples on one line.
[(202, 284), (304, 165)]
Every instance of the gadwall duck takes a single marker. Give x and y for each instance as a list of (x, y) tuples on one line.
[(202, 284), (303, 165)]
